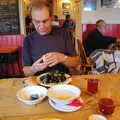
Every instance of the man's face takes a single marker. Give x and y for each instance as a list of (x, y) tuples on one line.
[(102, 26), (42, 21)]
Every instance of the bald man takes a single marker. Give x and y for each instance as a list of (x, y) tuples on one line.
[(97, 40)]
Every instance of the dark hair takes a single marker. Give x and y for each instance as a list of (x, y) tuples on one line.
[(40, 5), (67, 16), (99, 21), (55, 16)]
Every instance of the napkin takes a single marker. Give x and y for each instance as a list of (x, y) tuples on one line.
[(76, 103)]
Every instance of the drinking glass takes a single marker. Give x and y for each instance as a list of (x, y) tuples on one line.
[(106, 106), (92, 86)]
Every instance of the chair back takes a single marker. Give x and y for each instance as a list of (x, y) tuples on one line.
[(87, 62), (81, 52)]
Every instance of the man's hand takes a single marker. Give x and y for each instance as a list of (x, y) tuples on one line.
[(54, 58), (39, 65)]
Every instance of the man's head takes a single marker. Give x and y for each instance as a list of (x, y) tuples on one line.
[(68, 17), (55, 18), (100, 25), (42, 18)]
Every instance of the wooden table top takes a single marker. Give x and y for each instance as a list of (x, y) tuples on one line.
[(12, 109), (8, 49)]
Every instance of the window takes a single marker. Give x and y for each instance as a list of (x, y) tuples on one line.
[(110, 3), (90, 5)]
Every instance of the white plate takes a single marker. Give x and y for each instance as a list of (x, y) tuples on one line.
[(97, 117), (68, 80), (24, 95), (63, 108), (63, 94)]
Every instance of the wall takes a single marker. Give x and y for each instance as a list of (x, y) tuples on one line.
[(108, 14), (78, 17), (59, 10), (22, 16), (78, 30)]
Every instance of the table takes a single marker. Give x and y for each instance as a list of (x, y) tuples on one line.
[(12, 109)]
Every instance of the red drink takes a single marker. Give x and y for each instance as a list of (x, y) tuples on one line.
[(106, 106), (92, 86)]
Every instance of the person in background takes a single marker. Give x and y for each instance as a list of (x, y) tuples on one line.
[(97, 40), (28, 23), (55, 21), (48, 48), (68, 23)]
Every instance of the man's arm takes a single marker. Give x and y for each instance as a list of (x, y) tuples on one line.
[(71, 62), (39, 65), (54, 58), (51, 59), (29, 70)]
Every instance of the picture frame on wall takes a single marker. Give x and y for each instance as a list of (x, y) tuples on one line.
[(66, 8), (110, 3)]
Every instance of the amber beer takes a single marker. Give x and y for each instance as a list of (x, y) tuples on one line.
[(106, 106), (92, 86)]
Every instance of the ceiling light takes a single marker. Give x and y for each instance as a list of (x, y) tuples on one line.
[(66, 1)]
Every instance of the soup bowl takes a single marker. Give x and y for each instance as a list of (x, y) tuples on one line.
[(63, 94)]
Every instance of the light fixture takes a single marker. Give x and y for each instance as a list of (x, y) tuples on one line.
[(65, 1), (87, 9), (118, 1)]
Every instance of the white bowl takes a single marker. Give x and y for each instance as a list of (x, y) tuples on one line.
[(97, 117), (63, 94), (24, 95)]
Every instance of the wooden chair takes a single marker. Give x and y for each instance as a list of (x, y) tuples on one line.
[(86, 62)]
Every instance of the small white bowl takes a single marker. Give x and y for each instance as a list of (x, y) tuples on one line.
[(63, 94), (25, 94), (97, 117)]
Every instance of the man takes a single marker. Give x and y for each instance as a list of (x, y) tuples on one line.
[(97, 40), (47, 48), (55, 21), (68, 23)]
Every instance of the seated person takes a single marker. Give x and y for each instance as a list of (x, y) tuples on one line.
[(48, 48), (107, 61), (68, 23), (97, 40), (55, 21)]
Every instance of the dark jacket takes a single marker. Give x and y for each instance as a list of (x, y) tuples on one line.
[(95, 40)]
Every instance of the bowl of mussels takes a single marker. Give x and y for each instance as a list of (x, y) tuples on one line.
[(50, 79)]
